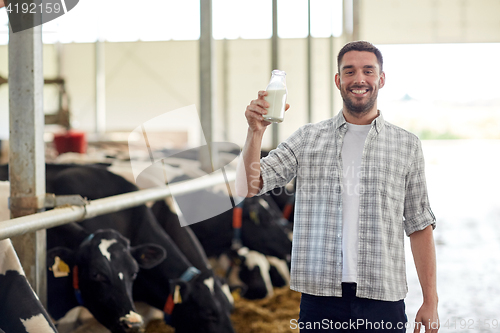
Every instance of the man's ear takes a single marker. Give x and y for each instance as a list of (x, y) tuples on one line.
[(337, 80), (382, 80), (148, 255)]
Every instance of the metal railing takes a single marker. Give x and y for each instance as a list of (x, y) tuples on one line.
[(59, 216)]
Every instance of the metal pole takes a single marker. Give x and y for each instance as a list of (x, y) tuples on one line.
[(274, 65), (206, 83), (225, 93), (332, 75), (333, 66), (100, 87), (355, 20), (309, 75), (26, 157), (56, 217), (348, 24)]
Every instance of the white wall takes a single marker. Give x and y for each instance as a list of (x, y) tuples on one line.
[(147, 79), (430, 21)]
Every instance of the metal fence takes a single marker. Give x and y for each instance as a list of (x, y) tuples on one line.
[(59, 216)]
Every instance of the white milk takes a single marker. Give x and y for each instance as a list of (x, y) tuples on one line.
[(277, 102)]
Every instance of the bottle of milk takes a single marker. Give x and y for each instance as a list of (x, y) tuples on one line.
[(276, 97)]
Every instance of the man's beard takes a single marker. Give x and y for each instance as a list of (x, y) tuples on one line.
[(358, 109)]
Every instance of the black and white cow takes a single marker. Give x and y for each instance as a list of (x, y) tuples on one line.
[(261, 230), (106, 267), (174, 286), (97, 271), (20, 308), (190, 246), (248, 270)]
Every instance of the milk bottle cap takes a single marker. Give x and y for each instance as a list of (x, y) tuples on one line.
[(278, 72)]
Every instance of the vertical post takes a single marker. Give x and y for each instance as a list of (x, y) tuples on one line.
[(206, 83), (333, 67), (100, 86), (309, 61), (348, 24), (331, 74), (274, 65), (225, 87), (355, 20), (351, 20), (26, 157)]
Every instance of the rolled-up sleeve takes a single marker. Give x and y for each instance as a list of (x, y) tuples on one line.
[(417, 211), (280, 166)]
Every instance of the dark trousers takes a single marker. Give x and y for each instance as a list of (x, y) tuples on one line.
[(350, 313)]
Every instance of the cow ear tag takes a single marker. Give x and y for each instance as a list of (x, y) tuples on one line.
[(254, 216), (177, 295), (60, 268), (236, 293)]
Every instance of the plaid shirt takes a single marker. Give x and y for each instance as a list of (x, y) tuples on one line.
[(392, 199)]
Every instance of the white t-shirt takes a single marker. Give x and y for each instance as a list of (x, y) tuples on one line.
[(352, 151)]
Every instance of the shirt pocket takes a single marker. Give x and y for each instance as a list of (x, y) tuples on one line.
[(391, 180)]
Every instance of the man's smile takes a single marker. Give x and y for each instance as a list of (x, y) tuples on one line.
[(359, 92)]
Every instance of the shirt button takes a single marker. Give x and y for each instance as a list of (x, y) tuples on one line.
[(338, 235)]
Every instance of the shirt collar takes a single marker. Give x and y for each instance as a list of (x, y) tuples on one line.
[(339, 120), (378, 122)]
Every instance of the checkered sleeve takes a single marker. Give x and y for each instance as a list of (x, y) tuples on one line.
[(417, 211), (280, 166)]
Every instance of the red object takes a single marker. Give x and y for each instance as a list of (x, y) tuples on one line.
[(75, 278), (237, 217), (287, 211), (71, 141), (169, 305)]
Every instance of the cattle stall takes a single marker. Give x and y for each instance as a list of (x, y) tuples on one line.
[(28, 200)]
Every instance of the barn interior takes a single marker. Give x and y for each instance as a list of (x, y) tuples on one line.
[(115, 83)]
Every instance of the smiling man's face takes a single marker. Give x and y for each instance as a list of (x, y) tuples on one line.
[(359, 80)]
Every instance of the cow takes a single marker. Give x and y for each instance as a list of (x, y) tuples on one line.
[(245, 269), (187, 242), (262, 230), (107, 295), (96, 270), (185, 293), (284, 197), (20, 308)]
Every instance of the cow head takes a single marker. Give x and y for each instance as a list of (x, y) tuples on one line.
[(263, 230), (204, 296), (103, 270), (248, 271)]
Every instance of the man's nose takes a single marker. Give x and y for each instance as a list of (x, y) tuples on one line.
[(359, 78)]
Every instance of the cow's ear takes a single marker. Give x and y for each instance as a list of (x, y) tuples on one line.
[(60, 260), (180, 290), (148, 255)]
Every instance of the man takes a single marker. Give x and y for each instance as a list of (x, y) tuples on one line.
[(360, 185)]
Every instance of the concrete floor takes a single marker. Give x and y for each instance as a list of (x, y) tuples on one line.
[(463, 180)]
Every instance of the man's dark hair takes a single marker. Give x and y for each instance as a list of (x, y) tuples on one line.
[(360, 45)]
